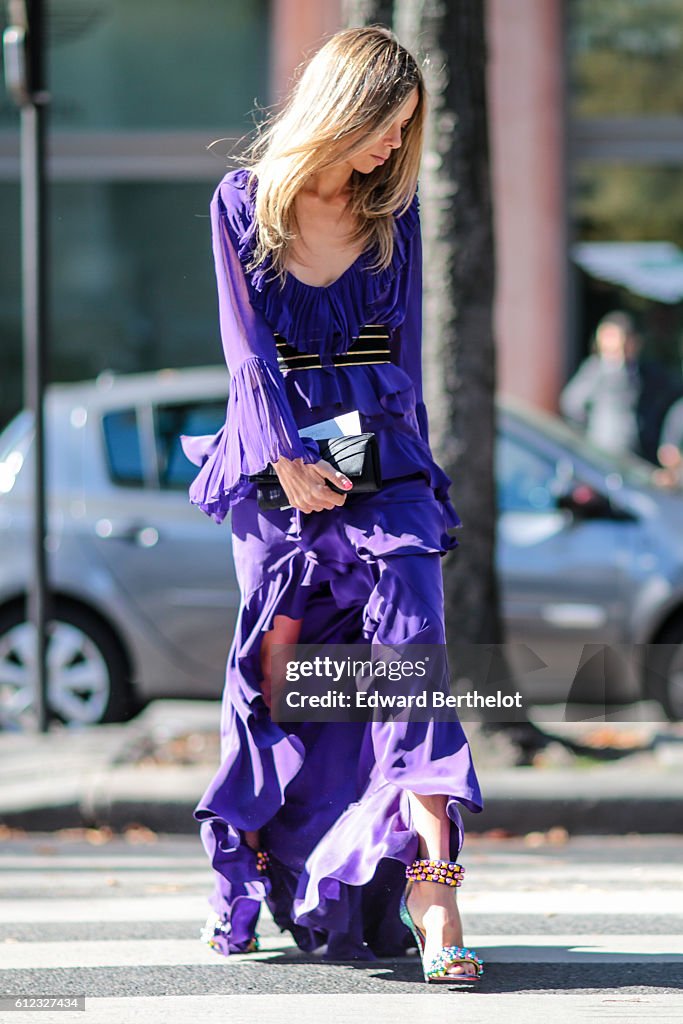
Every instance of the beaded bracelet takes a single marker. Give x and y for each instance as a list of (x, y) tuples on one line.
[(445, 871), (262, 860)]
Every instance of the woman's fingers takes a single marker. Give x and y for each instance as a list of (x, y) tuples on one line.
[(335, 476), (305, 484), (319, 496)]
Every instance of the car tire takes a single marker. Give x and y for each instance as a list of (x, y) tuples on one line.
[(664, 670), (88, 675)]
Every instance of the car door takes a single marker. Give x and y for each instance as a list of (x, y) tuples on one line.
[(563, 579), (172, 561)]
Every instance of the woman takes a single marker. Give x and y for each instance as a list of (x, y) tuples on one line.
[(325, 820)]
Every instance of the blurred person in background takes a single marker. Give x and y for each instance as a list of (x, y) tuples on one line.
[(618, 397)]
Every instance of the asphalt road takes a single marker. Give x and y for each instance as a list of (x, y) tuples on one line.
[(573, 931)]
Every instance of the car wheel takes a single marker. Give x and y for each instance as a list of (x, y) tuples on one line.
[(664, 677), (86, 669)]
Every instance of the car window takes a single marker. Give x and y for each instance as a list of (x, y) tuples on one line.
[(172, 420), (634, 471), (15, 432), (122, 446), (525, 480), (15, 441)]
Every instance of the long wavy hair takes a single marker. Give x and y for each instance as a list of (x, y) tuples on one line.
[(349, 91)]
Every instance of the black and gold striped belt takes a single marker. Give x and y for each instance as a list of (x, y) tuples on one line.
[(371, 346)]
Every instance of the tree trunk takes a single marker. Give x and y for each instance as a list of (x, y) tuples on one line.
[(459, 357), (459, 351), (368, 12)]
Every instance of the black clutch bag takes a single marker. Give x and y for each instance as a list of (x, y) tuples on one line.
[(355, 455)]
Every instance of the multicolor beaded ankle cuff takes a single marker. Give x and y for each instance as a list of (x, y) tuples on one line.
[(262, 860), (448, 872)]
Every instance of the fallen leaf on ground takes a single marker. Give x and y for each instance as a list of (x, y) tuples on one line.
[(135, 833)]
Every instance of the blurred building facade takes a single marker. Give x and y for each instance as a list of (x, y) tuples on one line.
[(586, 127)]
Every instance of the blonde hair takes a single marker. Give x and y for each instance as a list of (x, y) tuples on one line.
[(349, 90)]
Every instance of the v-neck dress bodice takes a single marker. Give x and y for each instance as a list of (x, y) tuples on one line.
[(266, 407)]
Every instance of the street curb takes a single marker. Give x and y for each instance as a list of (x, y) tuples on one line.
[(160, 798), (598, 802), (600, 816), (109, 776)]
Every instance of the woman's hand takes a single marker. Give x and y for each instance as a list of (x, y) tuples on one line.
[(305, 487)]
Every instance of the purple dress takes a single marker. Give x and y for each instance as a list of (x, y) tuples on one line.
[(330, 798)]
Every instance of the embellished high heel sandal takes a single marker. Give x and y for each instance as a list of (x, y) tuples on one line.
[(216, 931), (447, 873), (215, 934)]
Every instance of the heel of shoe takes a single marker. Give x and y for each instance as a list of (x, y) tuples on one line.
[(407, 919)]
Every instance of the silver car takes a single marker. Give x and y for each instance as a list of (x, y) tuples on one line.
[(589, 553), (145, 590), (590, 564)]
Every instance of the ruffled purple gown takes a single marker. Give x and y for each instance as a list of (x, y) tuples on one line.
[(331, 798)]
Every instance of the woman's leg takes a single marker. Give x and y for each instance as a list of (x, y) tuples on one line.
[(284, 631), (406, 607), (432, 905)]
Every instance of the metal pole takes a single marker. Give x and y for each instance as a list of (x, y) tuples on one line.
[(23, 47)]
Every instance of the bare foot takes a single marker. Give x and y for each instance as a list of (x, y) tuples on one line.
[(434, 909)]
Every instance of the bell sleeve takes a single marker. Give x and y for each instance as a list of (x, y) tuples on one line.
[(259, 425), (409, 355)]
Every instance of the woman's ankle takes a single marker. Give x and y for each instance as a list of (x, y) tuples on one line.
[(253, 840)]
